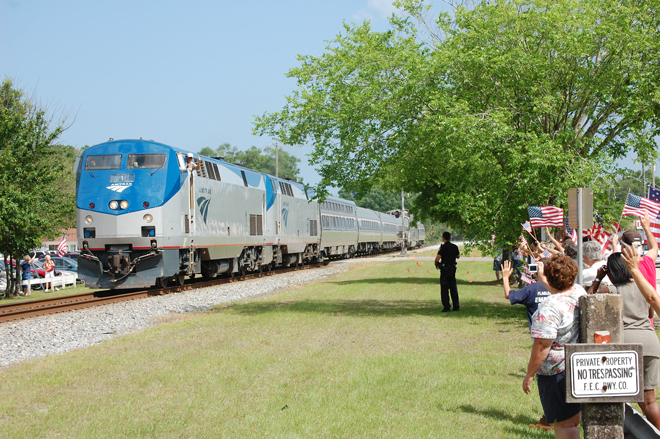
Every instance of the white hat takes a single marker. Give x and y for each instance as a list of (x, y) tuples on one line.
[(190, 154)]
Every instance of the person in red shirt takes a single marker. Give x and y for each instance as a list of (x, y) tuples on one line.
[(633, 239), (49, 267)]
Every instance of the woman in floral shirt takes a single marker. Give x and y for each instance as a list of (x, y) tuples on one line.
[(556, 323)]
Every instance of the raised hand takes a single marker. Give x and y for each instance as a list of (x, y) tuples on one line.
[(630, 257), (507, 269)]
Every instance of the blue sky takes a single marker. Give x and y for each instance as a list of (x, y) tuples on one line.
[(190, 74), (186, 73)]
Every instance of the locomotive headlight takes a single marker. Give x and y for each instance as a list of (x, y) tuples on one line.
[(123, 204), (88, 219), (113, 205), (147, 218)]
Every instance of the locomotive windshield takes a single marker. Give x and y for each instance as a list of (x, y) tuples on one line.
[(100, 162), (145, 161)]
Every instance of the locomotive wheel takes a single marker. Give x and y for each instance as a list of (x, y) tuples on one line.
[(180, 279)]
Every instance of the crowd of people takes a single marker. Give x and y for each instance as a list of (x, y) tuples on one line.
[(552, 302)]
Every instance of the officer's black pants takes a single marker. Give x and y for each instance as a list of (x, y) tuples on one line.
[(447, 285)]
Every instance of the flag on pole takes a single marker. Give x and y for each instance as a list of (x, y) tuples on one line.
[(569, 231), (547, 216), (61, 247), (523, 241), (637, 206), (654, 195), (527, 227), (546, 253)]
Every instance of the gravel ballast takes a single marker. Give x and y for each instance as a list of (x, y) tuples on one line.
[(57, 333)]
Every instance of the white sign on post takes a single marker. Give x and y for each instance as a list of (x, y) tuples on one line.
[(604, 374)]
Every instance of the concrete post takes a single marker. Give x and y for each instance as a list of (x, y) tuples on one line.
[(602, 312)]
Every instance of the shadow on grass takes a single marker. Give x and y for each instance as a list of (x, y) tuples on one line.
[(387, 308), (426, 280), (520, 423)]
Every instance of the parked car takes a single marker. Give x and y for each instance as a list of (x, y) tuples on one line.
[(36, 268), (64, 264), (72, 255), (41, 253)]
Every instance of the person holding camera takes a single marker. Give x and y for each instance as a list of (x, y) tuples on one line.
[(445, 261), (531, 296)]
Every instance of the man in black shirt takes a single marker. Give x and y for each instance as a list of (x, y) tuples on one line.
[(445, 261)]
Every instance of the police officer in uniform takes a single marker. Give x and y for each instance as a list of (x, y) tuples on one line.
[(445, 261)]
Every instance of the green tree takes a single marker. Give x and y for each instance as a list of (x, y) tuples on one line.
[(482, 112), (37, 196), (262, 160), (376, 199)]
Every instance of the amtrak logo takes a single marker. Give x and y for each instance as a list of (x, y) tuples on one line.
[(119, 187), (285, 215), (203, 204)]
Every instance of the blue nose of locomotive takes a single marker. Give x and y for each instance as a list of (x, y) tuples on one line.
[(125, 176)]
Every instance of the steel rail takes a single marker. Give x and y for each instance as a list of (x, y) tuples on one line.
[(40, 307)]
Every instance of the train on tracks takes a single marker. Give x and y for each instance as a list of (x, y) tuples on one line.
[(146, 217)]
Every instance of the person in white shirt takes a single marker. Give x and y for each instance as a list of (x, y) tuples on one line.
[(593, 259)]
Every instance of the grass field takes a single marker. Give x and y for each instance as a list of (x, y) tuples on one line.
[(464, 255), (363, 354), (39, 294)]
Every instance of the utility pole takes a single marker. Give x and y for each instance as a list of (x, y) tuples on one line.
[(277, 160), (653, 174), (404, 231), (643, 179)]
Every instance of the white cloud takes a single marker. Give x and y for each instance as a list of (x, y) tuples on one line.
[(376, 9), (384, 8)]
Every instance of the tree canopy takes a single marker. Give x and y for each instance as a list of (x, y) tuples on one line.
[(37, 196), (262, 160), (481, 111), (376, 199)]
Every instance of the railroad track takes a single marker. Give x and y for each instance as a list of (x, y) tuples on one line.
[(33, 308)]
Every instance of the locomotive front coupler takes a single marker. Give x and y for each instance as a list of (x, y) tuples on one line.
[(152, 254)]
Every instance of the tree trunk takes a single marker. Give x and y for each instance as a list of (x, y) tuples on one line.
[(16, 289), (8, 277)]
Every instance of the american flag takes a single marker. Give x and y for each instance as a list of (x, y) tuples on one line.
[(523, 241), (636, 205), (546, 216), (654, 195), (546, 253), (526, 279), (569, 231), (61, 247), (595, 231), (527, 227)]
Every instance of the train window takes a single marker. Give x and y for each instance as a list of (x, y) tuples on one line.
[(182, 161), (244, 178), (145, 161), (210, 170), (272, 183), (217, 172), (286, 188), (101, 162)]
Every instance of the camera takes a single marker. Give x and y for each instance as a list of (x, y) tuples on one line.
[(533, 268)]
